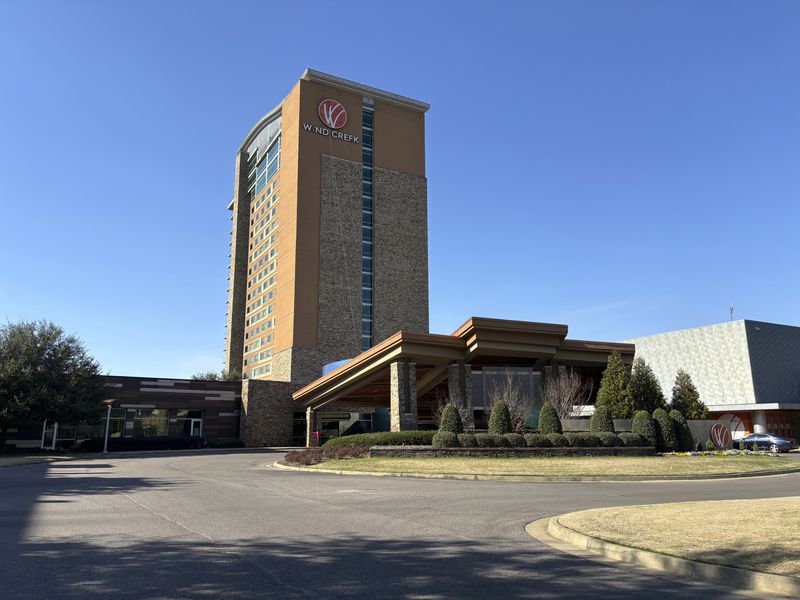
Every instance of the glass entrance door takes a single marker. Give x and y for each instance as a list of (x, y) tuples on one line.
[(197, 427)]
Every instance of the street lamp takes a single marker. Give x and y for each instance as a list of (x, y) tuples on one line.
[(108, 403)]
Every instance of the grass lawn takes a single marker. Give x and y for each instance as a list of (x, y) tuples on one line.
[(596, 466), (763, 535)]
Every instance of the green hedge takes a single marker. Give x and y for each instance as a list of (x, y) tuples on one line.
[(537, 440), (445, 439), (557, 440), (630, 439), (384, 438), (515, 440), (491, 440), (582, 439), (467, 440), (608, 439)]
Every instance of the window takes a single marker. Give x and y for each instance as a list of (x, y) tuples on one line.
[(367, 122), (150, 422)]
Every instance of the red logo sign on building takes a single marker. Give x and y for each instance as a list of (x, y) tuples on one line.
[(332, 113), (720, 436)]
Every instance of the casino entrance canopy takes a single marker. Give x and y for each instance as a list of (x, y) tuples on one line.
[(406, 371)]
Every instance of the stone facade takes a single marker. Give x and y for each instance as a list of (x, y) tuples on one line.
[(400, 231), (267, 411), (403, 396), (459, 385), (339, 313)]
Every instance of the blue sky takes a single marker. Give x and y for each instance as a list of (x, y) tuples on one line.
[(622, 167)]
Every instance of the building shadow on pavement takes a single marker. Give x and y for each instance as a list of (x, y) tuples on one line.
[(351, 567)]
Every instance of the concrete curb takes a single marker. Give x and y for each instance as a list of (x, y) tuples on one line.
[(685, 568), (542, 478)]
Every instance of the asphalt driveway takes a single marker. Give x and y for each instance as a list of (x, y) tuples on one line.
[(221, 525)]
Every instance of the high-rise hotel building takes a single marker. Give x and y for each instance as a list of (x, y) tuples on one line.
[(329, 238)]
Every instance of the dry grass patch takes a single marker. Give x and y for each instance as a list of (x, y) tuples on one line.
[(578, 466), (763, 535)]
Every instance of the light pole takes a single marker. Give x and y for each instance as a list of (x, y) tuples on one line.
[(108, 403)]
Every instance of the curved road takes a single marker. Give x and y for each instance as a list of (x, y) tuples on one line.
[(221, 525)]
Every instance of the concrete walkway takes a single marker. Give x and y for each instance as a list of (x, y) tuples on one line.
[(222, 524)]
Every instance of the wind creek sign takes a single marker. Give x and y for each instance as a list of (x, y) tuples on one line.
[(334, 116)]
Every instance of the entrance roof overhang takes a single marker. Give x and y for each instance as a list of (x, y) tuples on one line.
[(479, 341)]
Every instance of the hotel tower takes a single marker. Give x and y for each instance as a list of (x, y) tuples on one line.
[(328, 252)]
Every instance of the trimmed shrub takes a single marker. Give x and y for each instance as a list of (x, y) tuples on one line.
[(340, 452), (384, 438), (601, 420), (683, 435), (742, 446), (451, 420), (644, 426), (666, 440), (582, 439), (608, 439), (699, 446), (537, 440), (557, 440), (633, 440), (314, 456), (445, 439), (500, 418), (515, 440), (301, 458), (467, 440), (548, 420)]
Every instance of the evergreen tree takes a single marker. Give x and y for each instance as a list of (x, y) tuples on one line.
[(601, 420), (500, 418), (614, 389), (686, 399), (646, 392), (548, 420), (450, 420)]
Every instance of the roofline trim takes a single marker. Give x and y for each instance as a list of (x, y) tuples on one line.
[(366, 90)]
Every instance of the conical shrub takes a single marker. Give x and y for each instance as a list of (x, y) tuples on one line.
[(500, 418), (548, 420), (451, 420), (601, 420), (644, 426)]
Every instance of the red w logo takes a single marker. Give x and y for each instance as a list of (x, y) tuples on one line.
[(332, 113), (720, 435)]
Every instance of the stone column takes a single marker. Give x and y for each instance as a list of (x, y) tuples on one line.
[(311, 428), (759, 421), (459, 385), (403, 396)]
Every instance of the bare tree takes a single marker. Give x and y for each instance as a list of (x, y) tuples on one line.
[(509, 390), (439, 402), (565, 390)]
